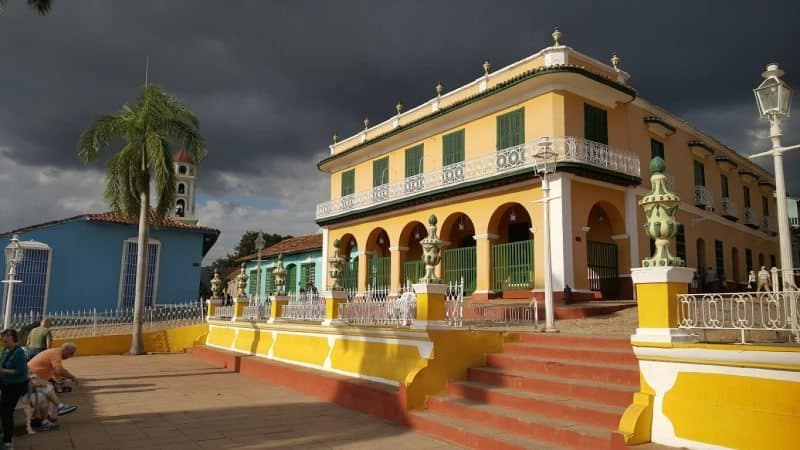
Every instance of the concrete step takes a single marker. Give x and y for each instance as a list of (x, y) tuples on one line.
[(612, 394), (559, 407), (471, 435), (609, 373), (522, 424), (573, 340), (595, 353)]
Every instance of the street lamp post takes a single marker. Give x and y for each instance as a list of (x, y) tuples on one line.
[(545, 160), (14, 255), (773, 97), (259, 246)]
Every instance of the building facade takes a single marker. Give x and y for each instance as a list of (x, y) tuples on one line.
[(89, 261), (302, 260), (471, 156)]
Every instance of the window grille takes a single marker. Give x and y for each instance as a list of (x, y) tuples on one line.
[(128, 275)]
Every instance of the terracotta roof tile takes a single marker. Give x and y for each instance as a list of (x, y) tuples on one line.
[(182, 156), (288, 246)]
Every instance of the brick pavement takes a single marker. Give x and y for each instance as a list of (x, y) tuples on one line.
[(172, 401)]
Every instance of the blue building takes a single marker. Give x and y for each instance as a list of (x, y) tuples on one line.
[(89, 261), (302, 259)]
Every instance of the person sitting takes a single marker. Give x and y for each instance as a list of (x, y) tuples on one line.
[(48, 366), (14, 379), (39, 339)]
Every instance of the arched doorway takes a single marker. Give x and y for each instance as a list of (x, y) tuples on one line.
[(379, 270), (459, 259), (512, 252), (291, 278), (602, 254), (411, 257), (348, 249)]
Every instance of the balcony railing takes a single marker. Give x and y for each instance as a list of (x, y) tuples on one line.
[(504, 162), (794, 222), (703, 198), (767, 224), (729, 209), (750, 218)]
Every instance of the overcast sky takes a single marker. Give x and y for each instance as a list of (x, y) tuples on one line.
[(271, 81)]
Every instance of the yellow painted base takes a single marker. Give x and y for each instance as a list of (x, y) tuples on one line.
[(332, 307), (430, 306), (658, 304), (637, 420), (276, 307), (174, 340), (238, 308)]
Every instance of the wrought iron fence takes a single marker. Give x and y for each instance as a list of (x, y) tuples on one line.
[(742, 316), (380, 307), (306, 307), (91, 322), (257, 310), (223, 312), (476, 315)]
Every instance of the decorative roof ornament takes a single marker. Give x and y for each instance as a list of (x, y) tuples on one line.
[(439, 89), (431, 252), (660, 208), (399, 107), (486, 67), (335, 138), (556, 37), (615, 60), (366, 122), (241, 282)]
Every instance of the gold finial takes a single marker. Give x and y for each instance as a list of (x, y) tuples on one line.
[(335, 138), (615, 60), (439, 89), (556, 37), (399, 107), (366, 122), (486, 67)]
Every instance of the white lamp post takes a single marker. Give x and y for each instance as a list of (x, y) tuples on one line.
[(259, 246), (545, 160), (14, 254), (773, 97)]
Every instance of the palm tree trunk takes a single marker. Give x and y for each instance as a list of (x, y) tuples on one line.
[(137, 340)]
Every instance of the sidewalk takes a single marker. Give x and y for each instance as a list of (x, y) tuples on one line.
[(171, 401)]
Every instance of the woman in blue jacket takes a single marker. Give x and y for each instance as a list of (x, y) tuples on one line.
[(13, 381)]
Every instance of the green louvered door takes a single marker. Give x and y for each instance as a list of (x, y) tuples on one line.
[(350, 274), (380, 178), (380, 269), (595, 124), (453, 157), (512, 266), (460, 263), (414, 160), (413, 271), (510, 133)]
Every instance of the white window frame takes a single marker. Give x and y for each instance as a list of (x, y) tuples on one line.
[(36, 245), (135, 240)]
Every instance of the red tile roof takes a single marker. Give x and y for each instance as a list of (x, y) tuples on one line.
[(288, 246), (182, 156)]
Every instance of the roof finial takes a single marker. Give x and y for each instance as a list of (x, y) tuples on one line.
[(486, 67), (439, 89), (398, 107), (556, 37), (615, 60), (366, 122), (335, 138)]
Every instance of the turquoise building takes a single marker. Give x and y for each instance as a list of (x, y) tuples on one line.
[(302, 259), (89, 261)]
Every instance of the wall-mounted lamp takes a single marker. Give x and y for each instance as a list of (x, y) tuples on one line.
[(512, 216), (461, 224)]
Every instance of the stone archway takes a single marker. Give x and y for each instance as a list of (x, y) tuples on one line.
[(512, 251), (379, 260), (459, 257), (602, 253)]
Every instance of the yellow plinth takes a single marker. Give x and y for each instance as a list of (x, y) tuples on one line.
[(332, 307), (238, 307), (213, 304), (430, 301), (277, 304)]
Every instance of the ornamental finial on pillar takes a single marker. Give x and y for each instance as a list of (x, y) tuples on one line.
[(556, 37), (216, 285), (280, 275), (241, 282), (660, 208), (431, 252), (615, 60), (335, 263)]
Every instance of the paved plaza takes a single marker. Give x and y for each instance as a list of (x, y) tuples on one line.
[(172, 401)]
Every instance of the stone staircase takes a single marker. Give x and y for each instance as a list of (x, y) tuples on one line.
[(546, 392)]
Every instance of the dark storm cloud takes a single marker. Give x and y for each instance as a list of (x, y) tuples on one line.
[(271, 81)]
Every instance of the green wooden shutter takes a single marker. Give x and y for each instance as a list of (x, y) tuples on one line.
[(511, 129), (380, 171), (746, 196), (719, 256), (348, 182), (656, 149), (595, 124), (699, 174), (414, 158), (453, 148), (724, 182), (765, 206)]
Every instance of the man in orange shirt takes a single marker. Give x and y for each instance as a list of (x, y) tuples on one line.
[(48, 365)]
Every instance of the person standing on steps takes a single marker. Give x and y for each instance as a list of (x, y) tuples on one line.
[(14, 381)]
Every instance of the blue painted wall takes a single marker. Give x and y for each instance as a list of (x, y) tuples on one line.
[(87, 256), (296, 259)]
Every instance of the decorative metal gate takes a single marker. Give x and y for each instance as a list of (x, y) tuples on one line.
[(602, 268), (512, 266), (380, 270), (413, 271), (460, 263), (350, 274)]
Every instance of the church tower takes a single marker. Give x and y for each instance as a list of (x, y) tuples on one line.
[(185, 172)]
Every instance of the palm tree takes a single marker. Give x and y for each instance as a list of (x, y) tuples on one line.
[(146, 130), (41, 6)]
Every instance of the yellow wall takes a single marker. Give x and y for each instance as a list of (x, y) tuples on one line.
[(172, 340)]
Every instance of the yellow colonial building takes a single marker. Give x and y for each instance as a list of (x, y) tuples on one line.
[(468, 155)]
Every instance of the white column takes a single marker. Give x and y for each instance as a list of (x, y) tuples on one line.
[(324, 284), (561, 231), (631, 224)]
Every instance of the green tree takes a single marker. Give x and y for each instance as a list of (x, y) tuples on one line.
[(146, 129), (247, 244)]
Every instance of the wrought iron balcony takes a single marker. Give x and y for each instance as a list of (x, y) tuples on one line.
[(768, 225), (750, 218), (703, 198), (729, 209), (794, 222), (505, 162)]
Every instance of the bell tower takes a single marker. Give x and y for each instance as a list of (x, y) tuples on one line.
[(185, 173)]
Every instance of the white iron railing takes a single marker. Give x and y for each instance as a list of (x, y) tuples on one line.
[(304, 307), (503, 162), (703, 197), (380, 307), (750, 217), (460, 314), (794, 222), (91, 322), (729, 208), (741, 312), (257, 310), (223, 312)]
